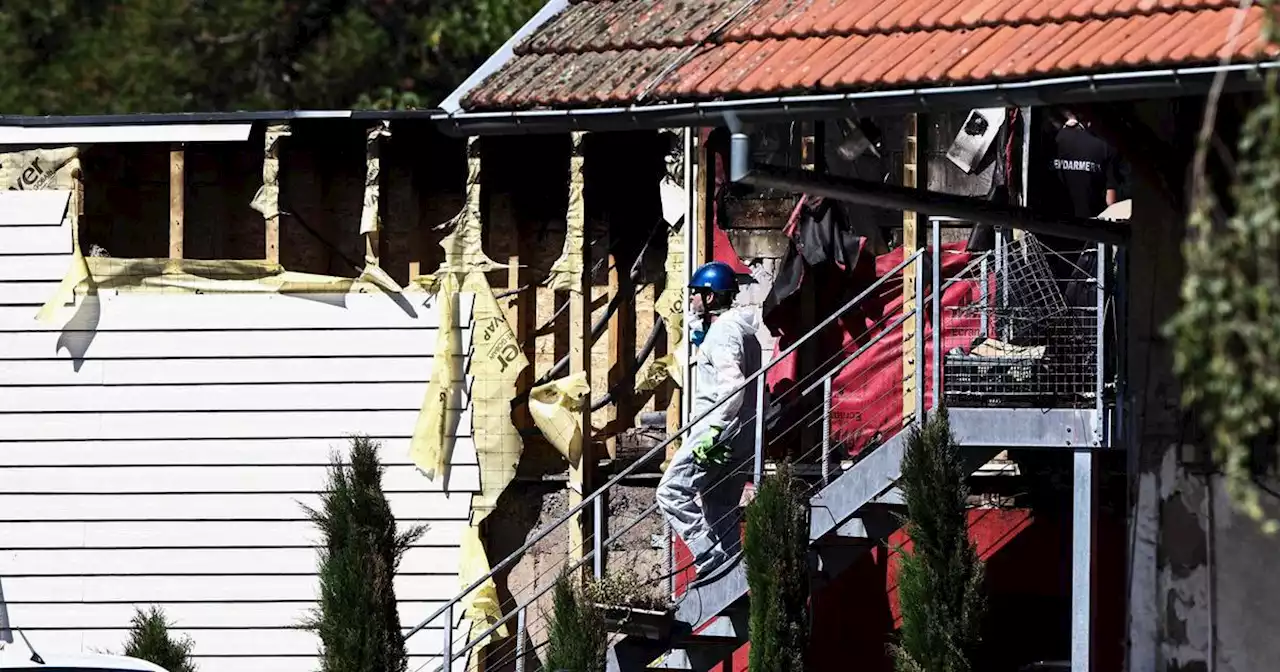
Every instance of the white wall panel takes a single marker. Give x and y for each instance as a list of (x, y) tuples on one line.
[(209, 452), (24, 239), (415, 506), (157, 448)]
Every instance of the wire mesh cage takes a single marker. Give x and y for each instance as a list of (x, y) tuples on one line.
[(1033, 312)]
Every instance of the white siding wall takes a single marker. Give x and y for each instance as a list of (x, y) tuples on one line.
[(154, 450)]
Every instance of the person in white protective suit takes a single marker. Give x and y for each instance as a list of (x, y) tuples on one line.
[(700, 490)]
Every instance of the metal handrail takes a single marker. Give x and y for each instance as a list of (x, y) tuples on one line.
[(661, 447), (591, 554)]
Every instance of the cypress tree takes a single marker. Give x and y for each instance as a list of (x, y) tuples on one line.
[(357, 618), (577, 637), (940, 580), (776, 553), (149, 640)]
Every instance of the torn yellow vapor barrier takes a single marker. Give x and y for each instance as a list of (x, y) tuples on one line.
[(432, 445), (92, 275), (556, 408), (671, 303), (566, 272), (496, 363), (51, 169), (656, 372), (39, 169), (370, 217), (267, 198)]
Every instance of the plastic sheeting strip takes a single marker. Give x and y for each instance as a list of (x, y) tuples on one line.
[(567, 269), (497, 361), (556, 408)]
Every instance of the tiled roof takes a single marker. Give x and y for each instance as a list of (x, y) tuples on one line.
[(614, 52)]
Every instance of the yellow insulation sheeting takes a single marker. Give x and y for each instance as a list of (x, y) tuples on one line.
[(53, 169), (671, 303), (370, 218), (567, 270), (657, 371), (267, 199), (432, 443), (556, 408), (481, 606), (39, 169), (463, 248), (496, 362)]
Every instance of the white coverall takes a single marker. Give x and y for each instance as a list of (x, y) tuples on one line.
[(700, 507)]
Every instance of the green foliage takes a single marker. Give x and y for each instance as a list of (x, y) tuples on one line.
[(115, 56), (149, 640), (1226, 333), (625, 588), (357, 619), (940, 580), (776, 553), (577, 637)]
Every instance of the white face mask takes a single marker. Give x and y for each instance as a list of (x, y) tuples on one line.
[(697, 325)]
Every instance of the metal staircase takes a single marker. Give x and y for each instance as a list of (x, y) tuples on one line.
[(1019, 367)]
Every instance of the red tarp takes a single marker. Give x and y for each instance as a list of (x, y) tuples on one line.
[(867, 393)]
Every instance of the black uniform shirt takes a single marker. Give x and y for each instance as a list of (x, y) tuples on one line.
[(1086, 168)]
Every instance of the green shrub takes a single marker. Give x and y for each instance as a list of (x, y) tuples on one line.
[(940, 580), (357, 619), (149, 640), (776, 553), (577, 637)]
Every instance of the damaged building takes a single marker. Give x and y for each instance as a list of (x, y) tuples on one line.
[(195, 311)]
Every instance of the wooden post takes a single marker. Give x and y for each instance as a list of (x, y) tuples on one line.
[(271, 189), (582, 475), (177, 186), (622, 346), (912, 238)]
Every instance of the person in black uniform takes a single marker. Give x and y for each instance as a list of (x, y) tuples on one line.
[(1088, 175), (1088, 180), (1087, 168)]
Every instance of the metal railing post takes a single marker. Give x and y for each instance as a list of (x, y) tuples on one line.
[(937, 314), (520, 626), (918, 376), (1099, 354), (759, 460), (826, 430), (984, 297), (597, 536), (448, 638), (1002, 286)]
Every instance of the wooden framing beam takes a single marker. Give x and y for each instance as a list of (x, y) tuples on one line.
[(177, 202), (582, 476), (622, 346), (912, 240)]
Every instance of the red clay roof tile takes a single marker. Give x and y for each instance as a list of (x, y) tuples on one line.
[(616, 52)]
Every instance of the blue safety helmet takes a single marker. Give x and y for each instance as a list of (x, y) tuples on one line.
[(716, 276)]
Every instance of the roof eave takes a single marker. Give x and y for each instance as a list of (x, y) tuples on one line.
[(1135, 85)]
